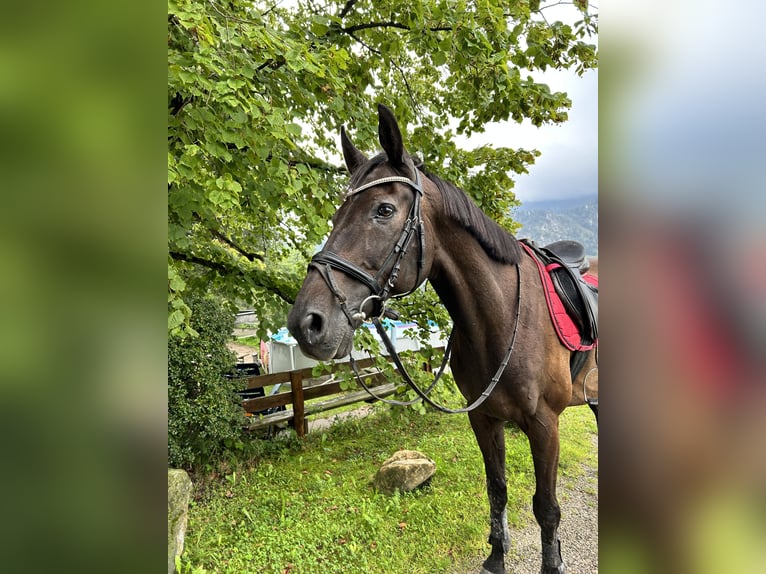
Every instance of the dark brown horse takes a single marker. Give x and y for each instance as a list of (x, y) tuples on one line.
[(399, 226)]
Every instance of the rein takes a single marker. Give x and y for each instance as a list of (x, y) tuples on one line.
[(405, 375), (325, 261), (423, 395)]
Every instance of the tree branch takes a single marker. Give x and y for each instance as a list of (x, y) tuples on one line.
[(317, 164), (363, 43), (221, 268), (357, 27), (272, 8), (541, 8), (390, 24), (273, 63), (177, 103), (308, 159), (225, 269), (347, 8), (230, 242), (415, 105)]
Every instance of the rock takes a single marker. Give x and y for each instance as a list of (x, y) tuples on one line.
[(179, 493), (404, 471)]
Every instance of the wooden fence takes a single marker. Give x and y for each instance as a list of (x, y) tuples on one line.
[(304, 387)]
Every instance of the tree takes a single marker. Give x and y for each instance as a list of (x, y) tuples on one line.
[(257, 93)]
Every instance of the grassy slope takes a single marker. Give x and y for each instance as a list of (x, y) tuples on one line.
[(309, 506)]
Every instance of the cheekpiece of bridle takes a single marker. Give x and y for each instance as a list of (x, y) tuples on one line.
[(325, 261)]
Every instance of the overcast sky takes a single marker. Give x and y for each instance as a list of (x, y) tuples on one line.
[(691, 115)]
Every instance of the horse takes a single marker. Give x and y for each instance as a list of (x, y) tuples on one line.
[(399, 226)]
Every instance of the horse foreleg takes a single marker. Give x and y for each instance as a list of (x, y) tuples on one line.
[(543, 433), (490, 435)]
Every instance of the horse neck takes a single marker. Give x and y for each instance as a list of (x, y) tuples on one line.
[(478, 292)]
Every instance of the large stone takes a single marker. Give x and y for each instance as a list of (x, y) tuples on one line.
[(179, 493), (404, 471)]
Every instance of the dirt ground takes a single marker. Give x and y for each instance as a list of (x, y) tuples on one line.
[(245, 350)]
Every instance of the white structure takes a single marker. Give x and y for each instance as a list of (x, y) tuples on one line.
[(285, 355)]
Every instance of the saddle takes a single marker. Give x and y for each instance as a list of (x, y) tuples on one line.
[(566, 265), (572, 253), (579, 297)]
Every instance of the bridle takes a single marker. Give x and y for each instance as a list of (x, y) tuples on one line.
[(325, 261)]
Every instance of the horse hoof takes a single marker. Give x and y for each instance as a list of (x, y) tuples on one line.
[(553, 570), (492, 568)]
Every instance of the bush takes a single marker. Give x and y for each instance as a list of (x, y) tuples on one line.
[(204, 413)]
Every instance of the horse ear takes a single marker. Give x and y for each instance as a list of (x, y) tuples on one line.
[(390, 136), (354, 158)]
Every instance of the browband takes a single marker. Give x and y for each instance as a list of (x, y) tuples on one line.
[(392, 179)]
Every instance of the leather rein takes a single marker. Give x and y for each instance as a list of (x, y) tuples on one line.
[(325, 261)]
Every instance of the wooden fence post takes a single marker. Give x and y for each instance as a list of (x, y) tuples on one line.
[(299, 412)]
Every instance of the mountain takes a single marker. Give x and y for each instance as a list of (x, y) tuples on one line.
[(548, 221)]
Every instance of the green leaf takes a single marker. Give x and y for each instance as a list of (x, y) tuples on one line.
[(176, 283), (320, 25), (176, 319), (294, 129), (235, 83), (439, 58)]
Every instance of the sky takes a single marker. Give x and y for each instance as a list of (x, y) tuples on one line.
[(692, 114)]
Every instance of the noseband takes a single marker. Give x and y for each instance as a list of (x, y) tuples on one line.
[(325, 261)]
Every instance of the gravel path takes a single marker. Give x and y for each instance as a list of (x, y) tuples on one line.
[(578, 531)]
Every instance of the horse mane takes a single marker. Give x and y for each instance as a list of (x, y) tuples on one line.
[(497, 243)]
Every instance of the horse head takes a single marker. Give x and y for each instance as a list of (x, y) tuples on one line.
[(375, 251)]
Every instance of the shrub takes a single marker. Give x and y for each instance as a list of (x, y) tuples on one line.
[(204, 413)]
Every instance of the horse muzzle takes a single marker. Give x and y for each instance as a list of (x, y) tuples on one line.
[(320, 335)]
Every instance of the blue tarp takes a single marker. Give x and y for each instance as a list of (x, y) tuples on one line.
[(283, 335)]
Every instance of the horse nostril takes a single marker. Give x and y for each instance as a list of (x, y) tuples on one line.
[(311, 326)]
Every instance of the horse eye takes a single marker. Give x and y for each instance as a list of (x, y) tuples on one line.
[(385, 210)]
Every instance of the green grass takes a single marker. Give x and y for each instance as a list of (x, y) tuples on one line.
[(308, 507), (250, 341)]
